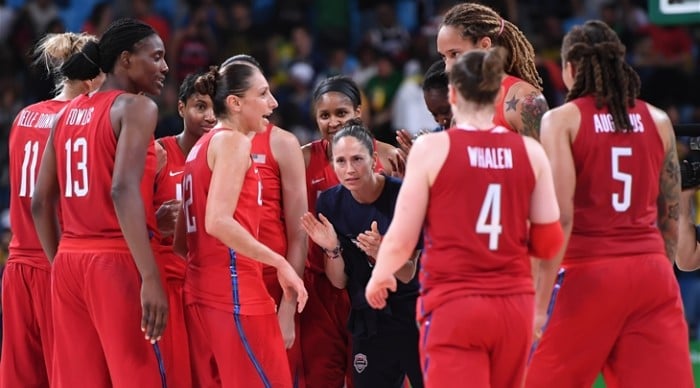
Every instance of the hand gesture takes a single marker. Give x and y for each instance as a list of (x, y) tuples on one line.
[(369, 241), (405, 140), (378, 289), (166, 216), (398, 164), (154, 307), (321, 232), (292, 285)]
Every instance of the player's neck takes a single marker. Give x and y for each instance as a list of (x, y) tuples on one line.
[(186, 141), (474, 119)]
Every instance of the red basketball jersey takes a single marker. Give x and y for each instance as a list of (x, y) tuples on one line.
[(28, 137), (476, 233), (321, 176), (217, 276), (617, 184), (272, 228), (169, 178), (85, 146), (499, 118)]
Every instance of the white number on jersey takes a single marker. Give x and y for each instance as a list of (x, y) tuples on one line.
[(621, 204), (491, 206), (76, 148), (187, 194), (31, 154)]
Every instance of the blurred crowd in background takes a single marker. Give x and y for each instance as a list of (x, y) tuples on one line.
[(385, 45)]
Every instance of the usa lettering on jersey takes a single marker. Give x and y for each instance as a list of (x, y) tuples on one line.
[(496, 158), (603, 123)]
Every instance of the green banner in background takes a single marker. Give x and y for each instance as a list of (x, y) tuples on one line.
[(672, 12)]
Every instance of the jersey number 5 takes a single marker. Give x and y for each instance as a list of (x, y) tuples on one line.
[(491, 207), (621, 203), (187, 195), (77, 148)]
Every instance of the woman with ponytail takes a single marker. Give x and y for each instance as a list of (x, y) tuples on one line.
[(99, 166), (476, 304), (235, 337), (27, 345)]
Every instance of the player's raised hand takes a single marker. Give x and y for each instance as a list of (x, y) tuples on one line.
[(405, 140), (369, 240), (320, 230)]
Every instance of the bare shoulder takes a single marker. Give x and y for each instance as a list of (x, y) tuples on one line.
[(284, 138), (566, 117), (663, 124), (429, 144), (659, 116), (230, 140), (134, 104)]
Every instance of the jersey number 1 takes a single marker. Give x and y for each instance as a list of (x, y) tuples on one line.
[(491, 206)]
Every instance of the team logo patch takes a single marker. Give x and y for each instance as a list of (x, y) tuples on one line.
[(360, 362)]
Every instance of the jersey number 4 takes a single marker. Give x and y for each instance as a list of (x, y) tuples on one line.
[(621, 202), (491, 208)]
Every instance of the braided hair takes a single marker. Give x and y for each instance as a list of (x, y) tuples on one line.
[(122, 35), (476, 21), (598, 57)]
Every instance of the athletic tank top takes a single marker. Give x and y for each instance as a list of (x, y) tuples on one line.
[(475, 235), (217, 276), (617, 184), (28, 137)]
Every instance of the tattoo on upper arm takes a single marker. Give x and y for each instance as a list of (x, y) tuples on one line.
[(668, 203), (512, 104), (534, 107)]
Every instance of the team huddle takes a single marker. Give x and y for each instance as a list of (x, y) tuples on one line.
[(512, 246)]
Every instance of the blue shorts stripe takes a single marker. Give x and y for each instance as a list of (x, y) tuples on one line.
[(239, 324), (161, 365), (550, 308)]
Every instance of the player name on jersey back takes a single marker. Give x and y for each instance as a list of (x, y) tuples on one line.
[(496, 158), (603, 123), (37, 120)]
